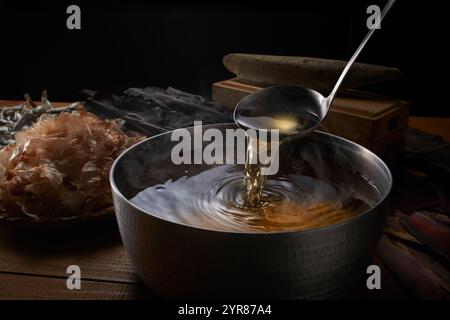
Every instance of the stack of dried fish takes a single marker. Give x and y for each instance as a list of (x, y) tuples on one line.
[(154, 110), (149, 111), (416, 244)]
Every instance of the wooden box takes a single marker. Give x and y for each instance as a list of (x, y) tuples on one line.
[(376, 122)]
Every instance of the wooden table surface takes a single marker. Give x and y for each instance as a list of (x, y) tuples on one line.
[(33, 261)]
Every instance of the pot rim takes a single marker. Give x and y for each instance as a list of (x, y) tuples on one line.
[(366, 153)]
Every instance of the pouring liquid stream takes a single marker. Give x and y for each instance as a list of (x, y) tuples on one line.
[(293, 110), (287, 125)]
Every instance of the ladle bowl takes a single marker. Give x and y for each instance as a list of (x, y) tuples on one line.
[(292, 109)]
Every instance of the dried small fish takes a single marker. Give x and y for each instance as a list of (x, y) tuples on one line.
[(71, 107), (5, 121), (30, 101), (16, 118), (25, 119)]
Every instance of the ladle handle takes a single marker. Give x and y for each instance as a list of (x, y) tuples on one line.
[(386, 9)]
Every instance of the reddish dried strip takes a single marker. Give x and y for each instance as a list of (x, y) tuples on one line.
[(396, 229), (433, 234), (408, 270)]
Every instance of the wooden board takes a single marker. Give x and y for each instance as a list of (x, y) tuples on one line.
[(229, 92), (33, 264), (13, 286), (48, 253)]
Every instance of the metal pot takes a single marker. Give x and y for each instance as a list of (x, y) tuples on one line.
[(182, 261)]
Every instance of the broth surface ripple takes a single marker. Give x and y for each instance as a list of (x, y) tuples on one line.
[(214, 199)]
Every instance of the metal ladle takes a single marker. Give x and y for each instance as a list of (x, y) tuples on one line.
[(292, 109)]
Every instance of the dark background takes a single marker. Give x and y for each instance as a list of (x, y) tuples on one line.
[(181, 44)]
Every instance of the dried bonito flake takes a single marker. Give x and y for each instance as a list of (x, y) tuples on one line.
[(59, 167)]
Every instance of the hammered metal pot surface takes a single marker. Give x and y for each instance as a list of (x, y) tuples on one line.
[(180, 261)]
